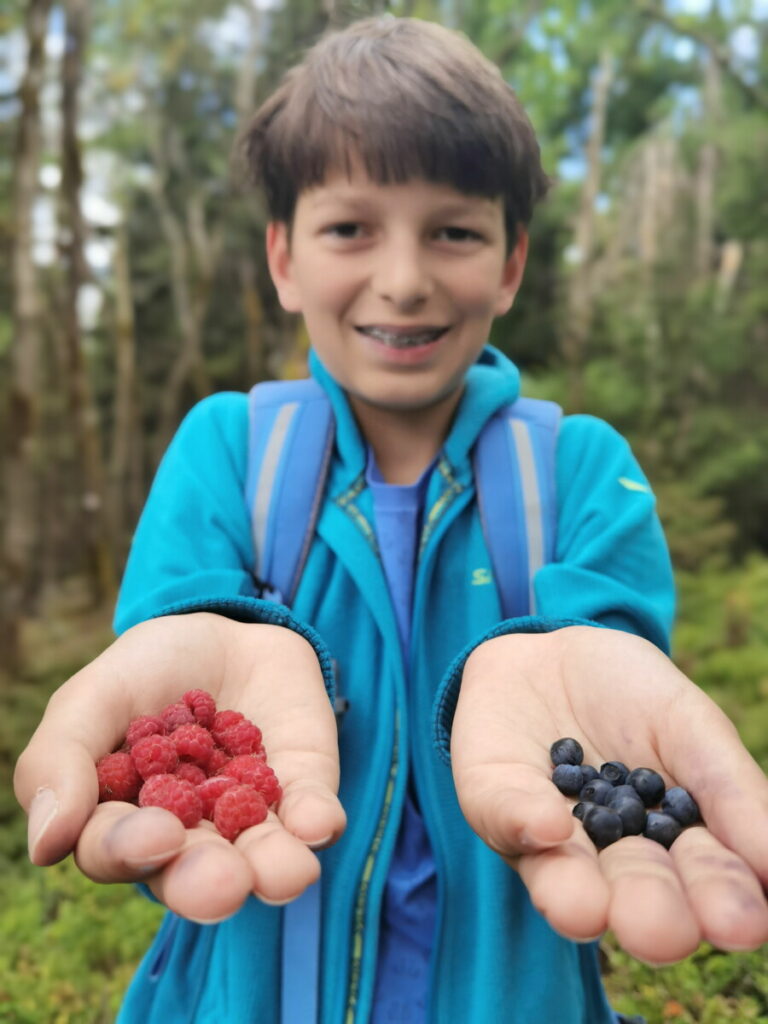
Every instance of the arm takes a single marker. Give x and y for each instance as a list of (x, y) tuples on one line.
[(191, 556)]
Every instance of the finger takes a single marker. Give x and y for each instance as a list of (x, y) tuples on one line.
[(704, 753), (649, 909), (209, 880), (123, 843), (281, 864), (567, 886), (312, 812), (723, 891), (514, 808)]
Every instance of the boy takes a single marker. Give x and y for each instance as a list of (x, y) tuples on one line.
[(400, 173)]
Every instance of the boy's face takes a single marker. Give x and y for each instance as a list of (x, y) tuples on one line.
[(398, 284)]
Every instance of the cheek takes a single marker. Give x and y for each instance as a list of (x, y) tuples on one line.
[(478, 293)]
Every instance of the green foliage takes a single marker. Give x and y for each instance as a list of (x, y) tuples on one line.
[(75, 945)]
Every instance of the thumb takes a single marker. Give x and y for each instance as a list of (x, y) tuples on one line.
[(513, 807)]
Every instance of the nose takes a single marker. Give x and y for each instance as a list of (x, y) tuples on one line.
[(402, 275)]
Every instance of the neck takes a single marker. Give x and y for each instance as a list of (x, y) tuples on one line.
[(406, 441)]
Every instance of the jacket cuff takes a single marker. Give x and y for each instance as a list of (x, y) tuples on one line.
[(444, 707), (257, 611)]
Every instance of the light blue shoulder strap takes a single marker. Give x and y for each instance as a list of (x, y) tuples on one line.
[(290, 443), (514, 462), (289, 447)]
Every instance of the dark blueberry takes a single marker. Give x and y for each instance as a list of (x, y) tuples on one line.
[(648, 783), (567, 778), (602, 825), (588, 773), (566, 751), (581, 808), (662, 827), (596, 791), (614, 772), (623, 793), (632, 812), (680, 804)]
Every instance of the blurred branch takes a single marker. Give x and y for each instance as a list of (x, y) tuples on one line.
[(719, 51)]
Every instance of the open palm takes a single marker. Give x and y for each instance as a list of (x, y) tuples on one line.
[(267, 672), (623, 700)]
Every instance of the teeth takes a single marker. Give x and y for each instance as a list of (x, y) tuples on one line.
[(402, 340)]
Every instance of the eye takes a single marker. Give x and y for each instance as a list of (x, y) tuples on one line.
[(457, 234), (344, 229)]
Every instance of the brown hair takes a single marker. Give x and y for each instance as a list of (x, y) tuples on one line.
[(410, 99)]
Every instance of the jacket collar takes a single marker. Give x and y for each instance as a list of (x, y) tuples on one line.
[(492, 382)]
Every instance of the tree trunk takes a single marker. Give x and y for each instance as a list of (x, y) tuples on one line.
[(580, 301), (125, 476), (22, 441), (191, 295), (85, 417)]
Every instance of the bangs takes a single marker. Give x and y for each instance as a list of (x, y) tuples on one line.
[(406, 100)]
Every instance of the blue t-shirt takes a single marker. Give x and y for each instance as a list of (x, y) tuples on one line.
[(406, 935)]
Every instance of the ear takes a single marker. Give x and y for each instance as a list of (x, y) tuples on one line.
[(512, 274), (281, 266)]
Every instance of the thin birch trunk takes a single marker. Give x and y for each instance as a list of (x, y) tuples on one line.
[(22, 441), (96, 537), (125, 485)]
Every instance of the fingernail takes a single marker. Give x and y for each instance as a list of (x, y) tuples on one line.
[(42, 811), (146, 865), (528, 842), (317, 844)]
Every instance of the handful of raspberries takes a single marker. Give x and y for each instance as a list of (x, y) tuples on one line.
[(196, 762)]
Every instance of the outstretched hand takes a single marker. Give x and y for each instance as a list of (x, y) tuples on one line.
[(271, 675), (622, 700)]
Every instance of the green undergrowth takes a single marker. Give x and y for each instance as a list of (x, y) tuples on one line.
[(69, 947)]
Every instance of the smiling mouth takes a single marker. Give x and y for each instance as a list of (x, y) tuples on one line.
[(408, 338)]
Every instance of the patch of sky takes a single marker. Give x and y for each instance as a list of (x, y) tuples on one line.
[(54, 40), (229, 36)]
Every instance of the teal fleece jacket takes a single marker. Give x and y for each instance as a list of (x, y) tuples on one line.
[(495, 958)]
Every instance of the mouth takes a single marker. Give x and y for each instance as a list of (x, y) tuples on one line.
[(402, 337)]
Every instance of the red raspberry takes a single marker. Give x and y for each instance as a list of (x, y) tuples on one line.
[(242, 738), (238, 808), (224, 720), (191, 772), (193, 743), (154, 755), (218, 761), (175, 795), (118, 778), (252, 771), (210, 790), (202, 706), (144, 725), (177, 714)]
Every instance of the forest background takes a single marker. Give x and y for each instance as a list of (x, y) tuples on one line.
[(133, 283)]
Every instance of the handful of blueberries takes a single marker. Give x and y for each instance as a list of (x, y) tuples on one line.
[(614, 801)]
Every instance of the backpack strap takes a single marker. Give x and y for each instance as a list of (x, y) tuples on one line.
[(514, 463), (290, 439)]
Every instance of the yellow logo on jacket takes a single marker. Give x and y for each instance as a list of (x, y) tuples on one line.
[(481, 577)]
